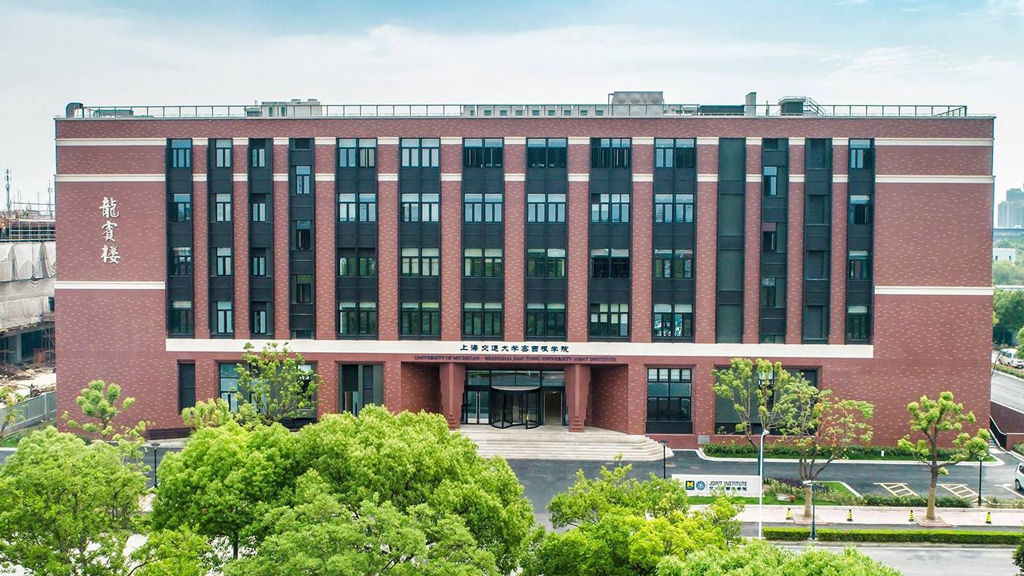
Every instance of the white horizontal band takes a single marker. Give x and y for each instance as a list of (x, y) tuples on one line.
[(200, 142), (840, 178), (796, 178), (643, 177), (240, 176), (932, 179), (451, 140), (451, 177), (753, 141), (515, 140), (109, 178), (387, 141), (934, 290), (643, 140), (106, 285), (582, 177), (984, 142), (841, 141), (707, 177), (279, 141), (797, 141), (111, 142), (280, 177), (707, 141), (753, 177), (577, 351), (515, 177), (240, 141), (325, 176), (387, 177), (578, 140), (325, 141)]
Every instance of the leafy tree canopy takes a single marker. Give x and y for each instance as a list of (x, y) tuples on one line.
[(764, 559)]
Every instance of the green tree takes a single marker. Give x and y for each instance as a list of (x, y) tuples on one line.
[(274, 382), (68, 509), (319, 536), (821, 428), (9, 397), (224, 480), (99, 403), (623, 527), (752, 388), (217, 412), (1018, 557), (1008, 306), (764, 559), (933, 419)]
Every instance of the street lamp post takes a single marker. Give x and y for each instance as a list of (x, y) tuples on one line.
[(760, 486), (980, 460), (814, 511), (664, 459), (156, 447)]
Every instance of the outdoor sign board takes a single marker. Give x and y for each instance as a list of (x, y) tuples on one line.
[(709, 484)]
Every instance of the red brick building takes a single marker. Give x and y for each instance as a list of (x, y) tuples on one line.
[(522, 265)]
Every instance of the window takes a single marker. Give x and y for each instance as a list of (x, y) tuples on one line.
[(180, 317), (357, 318), (773, 292), (421, 261), (605, 263), (302, 235), (181, 208), (258, 154), (609, 320), (815, 323), (222, 261), (302, 288), (222, 208), (545, 207), (673, 321), (770, 181), (482, 207), (258, 319), (860, 210), (677, 153), (181, 261), (545, 262), (186, 386), (862, 155), (545, 320), (181, 153), (421, 152), (357, 153), (357, 262), (816, 265), (673, 263), (668, 394), (486, 262), (228, 379), (303, 185), (772, 143), (258, 262), (258, 208), (609, 207), (222, 151), (819, 154), (420, 207), (482, 153), (301, 143), (347, 153), (859, 265), (673, 208), (420, 319), (354, 207), (818, 210), (482, 319), (858, 323), (546, 153), (609, 153), (225, 320), (769, 241)]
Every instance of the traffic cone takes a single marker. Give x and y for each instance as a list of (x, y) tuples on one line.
[(911, 515), (849, 515), (988, 518), (789, 514)]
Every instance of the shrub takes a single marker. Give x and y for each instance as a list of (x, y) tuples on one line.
[(1019, 448), (1008, 370), (936, 536), (916, 501), (779, 450)]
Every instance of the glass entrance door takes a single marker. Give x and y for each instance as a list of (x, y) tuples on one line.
[(476, 408), (515, 408)]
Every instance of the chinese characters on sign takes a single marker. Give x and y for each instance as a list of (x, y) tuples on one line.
[(540, 348), (108, 209)]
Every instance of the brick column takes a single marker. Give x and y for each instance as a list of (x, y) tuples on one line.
[(752, 246), (240, 227), (706, 252), (392, 383), (641, 255), (515, 241), (795, 243), (703, 399), (453, 378), (324, 232), (207, 384), (840, 199), (578, 254), (451, 239), (201, 240), (636, 391), (577, 394), (387, 243), (281, 241)]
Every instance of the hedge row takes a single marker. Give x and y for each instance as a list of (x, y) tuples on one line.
[(782, 450), (935, 536), (1011, 371), (916, 501)]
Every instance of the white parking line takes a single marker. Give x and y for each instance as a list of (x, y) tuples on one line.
[(897, 488), (960, 490), (1011, 489)]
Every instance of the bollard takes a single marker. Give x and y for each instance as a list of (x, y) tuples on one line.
[(988, 518), (911, 515), (849, 515), (789, 514)]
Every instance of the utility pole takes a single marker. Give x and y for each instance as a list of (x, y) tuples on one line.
[(7, 188)]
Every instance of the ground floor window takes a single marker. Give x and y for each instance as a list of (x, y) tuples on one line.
[(508, 398), (359, 385), (228, 380), (669, 400)]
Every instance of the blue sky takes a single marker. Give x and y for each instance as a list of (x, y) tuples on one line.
[(837, 51)]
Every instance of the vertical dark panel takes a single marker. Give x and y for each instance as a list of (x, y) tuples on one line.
[(675, 238), (181, 312), (419, 228), (731, 244), (220, 229), (302, 238), (817, 240), (860, 242), (611, 238), (483, 238), (547, 189), (355, 258), (774, 239), (186, 386), (260, 212)]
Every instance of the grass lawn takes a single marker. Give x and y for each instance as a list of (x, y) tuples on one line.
[(12, 440), (820, 500)]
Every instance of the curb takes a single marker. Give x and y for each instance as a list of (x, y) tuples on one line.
[(700, 454)]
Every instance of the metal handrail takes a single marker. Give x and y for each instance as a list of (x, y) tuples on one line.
[(300, 109)]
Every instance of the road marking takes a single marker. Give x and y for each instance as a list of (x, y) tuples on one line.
[(897, 488), (960, 490), (1011, 489)]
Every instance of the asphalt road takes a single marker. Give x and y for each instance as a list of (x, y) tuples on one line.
[(1008, 391), (925, 560)]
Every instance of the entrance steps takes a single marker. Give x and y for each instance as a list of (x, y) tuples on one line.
[(557, 443)]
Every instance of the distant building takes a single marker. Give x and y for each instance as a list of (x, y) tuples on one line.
[(1004, 254), (1011, 211)]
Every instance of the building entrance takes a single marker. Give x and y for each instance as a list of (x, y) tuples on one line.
[(507, 398)]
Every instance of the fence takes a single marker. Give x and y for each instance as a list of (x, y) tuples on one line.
[(42, 408)]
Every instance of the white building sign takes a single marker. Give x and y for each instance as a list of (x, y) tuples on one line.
[(109, 211), (710, 484)]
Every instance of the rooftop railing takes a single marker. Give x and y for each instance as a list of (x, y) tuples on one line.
[(315, 110)]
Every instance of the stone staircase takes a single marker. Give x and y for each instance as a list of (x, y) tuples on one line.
[(557, 443)]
